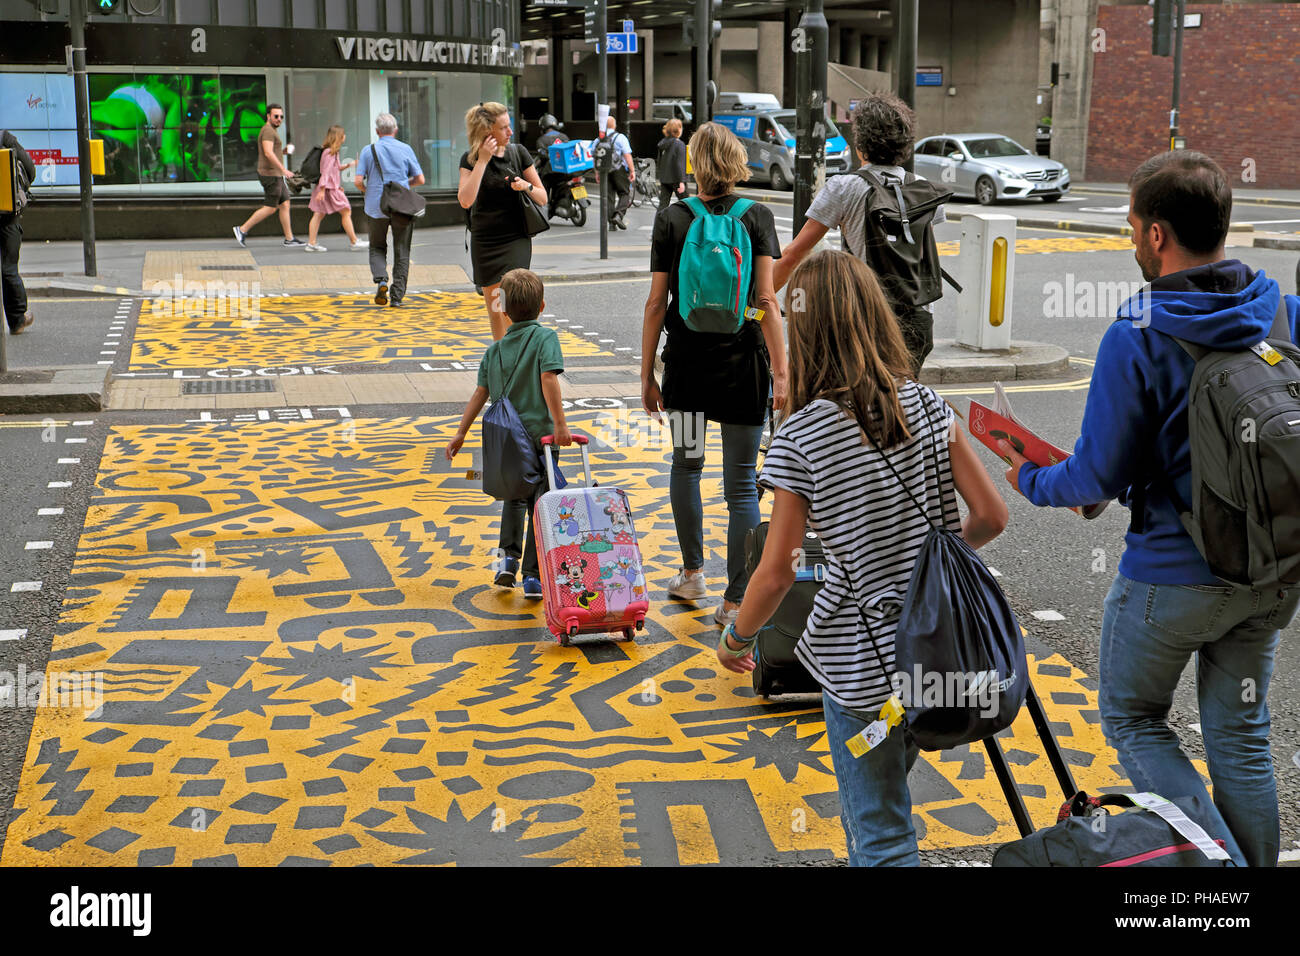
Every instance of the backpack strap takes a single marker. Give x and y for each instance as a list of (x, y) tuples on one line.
[(1282, 320), (696, 205), (897, 187), (739, 208)]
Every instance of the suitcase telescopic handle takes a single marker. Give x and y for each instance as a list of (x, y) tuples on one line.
[(548, 452)]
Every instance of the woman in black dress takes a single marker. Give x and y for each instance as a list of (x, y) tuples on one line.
[(492, 173), (671, 163)]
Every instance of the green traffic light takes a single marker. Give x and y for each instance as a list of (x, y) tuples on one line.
[(107, 6)]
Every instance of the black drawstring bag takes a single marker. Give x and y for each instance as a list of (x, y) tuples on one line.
[(959, 654), (512, 468)]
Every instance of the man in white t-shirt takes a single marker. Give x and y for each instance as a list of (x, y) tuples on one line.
[(884, 129)]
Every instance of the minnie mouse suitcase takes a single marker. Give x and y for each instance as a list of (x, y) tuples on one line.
[(592, 580)]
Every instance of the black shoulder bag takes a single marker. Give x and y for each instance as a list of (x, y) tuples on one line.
[(396, 199), (534, 221)]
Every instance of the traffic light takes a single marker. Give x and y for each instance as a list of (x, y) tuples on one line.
[(107, 6), (708, 7), (1162, 27)]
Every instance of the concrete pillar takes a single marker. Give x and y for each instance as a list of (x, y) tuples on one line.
[(871, 53), (1072, 97), (771, 58), (833, 45), (647, 43), (558, 54), (886, 56), (850, 48)]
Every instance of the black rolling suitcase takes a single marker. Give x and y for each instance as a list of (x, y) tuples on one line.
[(776, 668), (1151, 831)]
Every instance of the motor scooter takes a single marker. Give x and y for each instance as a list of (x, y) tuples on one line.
[(567, 196)]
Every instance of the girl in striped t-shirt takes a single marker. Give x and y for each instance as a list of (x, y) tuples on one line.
[(849, 369)]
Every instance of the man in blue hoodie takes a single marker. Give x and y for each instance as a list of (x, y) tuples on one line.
[(1165, 604)]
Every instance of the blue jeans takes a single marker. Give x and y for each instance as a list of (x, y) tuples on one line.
[(1148, 633), (739, 458), (875, 804)]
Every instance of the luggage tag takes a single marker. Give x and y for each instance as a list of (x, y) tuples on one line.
[(475, 472), (754, 314), (874, 734), (1265, 351)]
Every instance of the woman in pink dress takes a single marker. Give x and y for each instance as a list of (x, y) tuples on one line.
[(328, 196)]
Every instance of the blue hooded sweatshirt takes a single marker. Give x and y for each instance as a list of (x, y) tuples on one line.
[(1135, 421)]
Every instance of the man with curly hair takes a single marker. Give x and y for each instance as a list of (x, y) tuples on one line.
[(884, 129)]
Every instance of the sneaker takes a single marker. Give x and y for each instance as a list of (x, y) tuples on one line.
[(688, 587), (22, 326), (506, 576), (240, 236), (381, 298), (294, 242), (360, 244), (532, 588), (722, 617), (394, 302), (314, 247)]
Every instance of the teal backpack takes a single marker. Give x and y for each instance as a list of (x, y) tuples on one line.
[(716, 268)]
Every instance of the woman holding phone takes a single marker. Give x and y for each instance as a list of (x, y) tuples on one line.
[(492, 171)]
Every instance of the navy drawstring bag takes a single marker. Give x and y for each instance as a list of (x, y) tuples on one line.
[(512, 467), (959, 654)]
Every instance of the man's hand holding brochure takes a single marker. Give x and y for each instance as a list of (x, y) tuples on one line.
[(999, 430)]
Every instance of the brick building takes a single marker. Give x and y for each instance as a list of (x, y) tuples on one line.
[(1240, 92)]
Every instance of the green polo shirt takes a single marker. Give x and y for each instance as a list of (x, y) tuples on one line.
[(527, 350)]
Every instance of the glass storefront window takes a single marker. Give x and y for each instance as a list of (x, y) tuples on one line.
[(320, 98), (430, 112), (196, 132)]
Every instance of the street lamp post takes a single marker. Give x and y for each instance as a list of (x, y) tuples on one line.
[(77, 26), (602, 26), (809, 44)]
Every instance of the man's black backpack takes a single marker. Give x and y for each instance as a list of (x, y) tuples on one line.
[(310, 168), (899, 239), (1243, 419)]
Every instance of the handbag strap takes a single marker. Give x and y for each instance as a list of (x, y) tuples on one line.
[(374, 151)]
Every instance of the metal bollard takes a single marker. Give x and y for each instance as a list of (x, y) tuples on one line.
[(987, 268)]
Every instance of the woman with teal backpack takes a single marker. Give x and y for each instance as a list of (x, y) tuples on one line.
[(711, 292)]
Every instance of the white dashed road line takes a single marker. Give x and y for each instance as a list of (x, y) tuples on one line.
[(15, 635), (25, 586), (1049, 615)]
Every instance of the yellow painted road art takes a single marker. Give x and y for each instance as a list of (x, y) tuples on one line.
[(1055, 244), (278, 331), (302, 661)]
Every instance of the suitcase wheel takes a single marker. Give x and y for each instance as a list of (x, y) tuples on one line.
[(629, 634), (640, 624), (564, 636)]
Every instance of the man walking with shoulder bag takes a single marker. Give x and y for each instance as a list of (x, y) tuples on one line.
[(1191, 420), (391, 161)]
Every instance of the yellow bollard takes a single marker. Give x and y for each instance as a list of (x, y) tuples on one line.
[(97, 157)]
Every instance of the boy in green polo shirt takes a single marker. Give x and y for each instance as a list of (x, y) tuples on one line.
[(535, 393)]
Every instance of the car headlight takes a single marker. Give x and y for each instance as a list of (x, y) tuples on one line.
[(1008, 173)]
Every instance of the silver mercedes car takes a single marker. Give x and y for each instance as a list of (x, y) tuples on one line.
[(989, 167)]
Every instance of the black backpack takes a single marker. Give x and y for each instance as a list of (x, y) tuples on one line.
[(22, 185), (1243, 420), (310, 168), (898, 237)]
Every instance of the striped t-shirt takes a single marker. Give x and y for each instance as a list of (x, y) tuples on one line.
[(870, 530)]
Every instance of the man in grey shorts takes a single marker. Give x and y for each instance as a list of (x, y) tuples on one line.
[(271, 173)]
